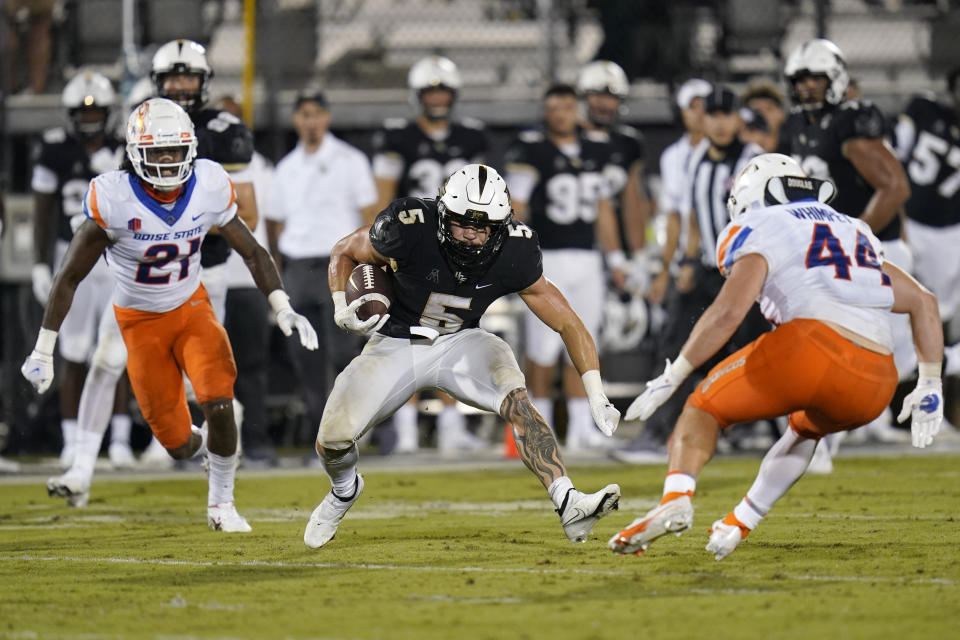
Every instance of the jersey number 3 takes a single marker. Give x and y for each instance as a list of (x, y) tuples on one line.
[(165, 254), (825, 251)]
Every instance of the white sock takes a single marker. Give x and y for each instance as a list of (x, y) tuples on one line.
[(96, 401), (579, 418), (748, 514), (679, 482), (544, 407), (343, 473), (120, 429), (85, 453), (451, 419), (222, 472), (783, 465), (68, 427), (405, 424), (558, 490)]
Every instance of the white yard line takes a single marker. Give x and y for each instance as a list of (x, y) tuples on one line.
[(437, 569)]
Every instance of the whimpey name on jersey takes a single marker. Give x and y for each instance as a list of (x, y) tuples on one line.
[(816, 213), (179, 235)]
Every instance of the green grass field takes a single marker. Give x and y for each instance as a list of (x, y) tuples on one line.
[(870, 551)]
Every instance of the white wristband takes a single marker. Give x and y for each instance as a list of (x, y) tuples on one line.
[(929, 370), (592, 382), (615, 259), (680, 368), (339, 299), (279, 301), (46, 339)]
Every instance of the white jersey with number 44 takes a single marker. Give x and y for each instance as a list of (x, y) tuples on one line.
[(155, 250), (821, 265)]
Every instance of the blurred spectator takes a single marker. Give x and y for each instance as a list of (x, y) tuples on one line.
[(322, 191), (246, 320), (39, 18), (413, 158), (557, 185), (766, 100), (6, 465)]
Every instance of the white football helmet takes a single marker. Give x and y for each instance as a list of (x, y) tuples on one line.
[(182, 57), (161, 123), (774, 178), (433, 72), (474, 196), (603, 76), (625, 321), (818, 57), (88, 90)]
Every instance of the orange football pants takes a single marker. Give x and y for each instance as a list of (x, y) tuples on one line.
[(805, 369), (161, 347)]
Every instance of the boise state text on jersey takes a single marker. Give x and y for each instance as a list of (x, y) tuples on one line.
[(427, 291), (818, 147)]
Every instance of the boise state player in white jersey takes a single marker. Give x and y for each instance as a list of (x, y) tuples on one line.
[(450, 258), (151, 220), (820, 275)]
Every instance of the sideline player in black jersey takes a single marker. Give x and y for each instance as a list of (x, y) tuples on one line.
[(412, 158), (450, 259), (603, 85), (558, 186), (66, 161), (844, 141), (181, 72)]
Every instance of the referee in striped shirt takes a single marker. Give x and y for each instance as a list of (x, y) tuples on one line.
[(711, 173)]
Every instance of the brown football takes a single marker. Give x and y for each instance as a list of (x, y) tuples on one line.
[(368, 278)]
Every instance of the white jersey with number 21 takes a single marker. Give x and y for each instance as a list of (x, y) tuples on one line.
[(155, 250), (822, 265)]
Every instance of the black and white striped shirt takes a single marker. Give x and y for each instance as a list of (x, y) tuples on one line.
[(707, 189)]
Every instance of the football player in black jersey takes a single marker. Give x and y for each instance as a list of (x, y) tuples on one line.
[(844, 141), (66, 161), (181, 72), (603, 85), (559, 187), (412, 158), (450, 258)]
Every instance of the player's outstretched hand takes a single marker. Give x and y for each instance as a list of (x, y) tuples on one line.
[(605, 414), (288, 320), (38, 370), (656, 393), (924, 407), (345, 315)]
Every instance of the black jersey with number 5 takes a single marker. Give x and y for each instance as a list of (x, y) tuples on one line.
[(932, 163), (427, 292), (428, 161), (223, 138), (818, 147), (563, 204)]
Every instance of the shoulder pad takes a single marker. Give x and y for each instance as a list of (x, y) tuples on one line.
[(390, 233), (531, 136), (868, 121), (113, 185), (210, 175), (596, 136), (472, 123), (395, 123), (56, 135)]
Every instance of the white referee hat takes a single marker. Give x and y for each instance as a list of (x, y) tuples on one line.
[(695, 88)]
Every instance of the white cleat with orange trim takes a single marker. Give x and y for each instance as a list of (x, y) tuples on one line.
[(724, 538), (674, 517), (326, 518)]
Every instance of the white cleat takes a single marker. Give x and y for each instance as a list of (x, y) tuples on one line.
[(74, 487), (323, 523), (453, 440), (581, 511), (224, 517), (121, 455), (675, 516), (724, 538), (155, 456)]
